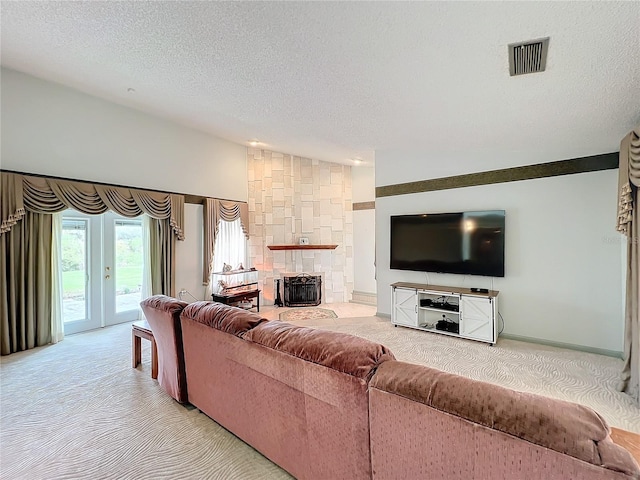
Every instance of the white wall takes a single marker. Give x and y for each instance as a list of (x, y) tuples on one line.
[(563, 280), (52, 130), (189, 256), (363, 180), (364, 227)]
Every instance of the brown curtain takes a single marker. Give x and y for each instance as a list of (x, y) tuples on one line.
[(629, 224), (210, 222), (25, 283), (215, 210), (11, 206), (163, 258), (26, 205)]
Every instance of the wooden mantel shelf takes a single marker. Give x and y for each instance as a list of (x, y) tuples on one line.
[(302, 247)]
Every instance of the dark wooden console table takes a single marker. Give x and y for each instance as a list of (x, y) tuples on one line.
[(238, 297)]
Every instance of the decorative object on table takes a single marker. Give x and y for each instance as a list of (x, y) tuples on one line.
[(278, 301), (313, 313), (240, 267), (226, 267), (222, 286), (236, 287), (236, 281)]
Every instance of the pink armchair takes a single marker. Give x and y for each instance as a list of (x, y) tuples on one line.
[(163, 315)]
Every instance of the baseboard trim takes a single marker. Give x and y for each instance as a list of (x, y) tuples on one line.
[(364, 298), (570, 346), (383, 315)]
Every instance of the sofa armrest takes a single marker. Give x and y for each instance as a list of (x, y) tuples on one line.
[(565, 427), (163, 315)]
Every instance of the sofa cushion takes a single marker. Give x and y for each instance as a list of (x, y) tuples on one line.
[(233, 320), (164, 303), (342, 352), (562, 426)]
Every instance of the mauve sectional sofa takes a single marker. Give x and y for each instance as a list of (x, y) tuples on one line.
[(325, 405)]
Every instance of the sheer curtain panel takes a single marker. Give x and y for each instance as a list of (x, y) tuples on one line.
[(146, 268), (57, 322), (231, 245), (214, 211)]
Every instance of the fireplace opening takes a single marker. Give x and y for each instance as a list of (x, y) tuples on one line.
[(302, 290)]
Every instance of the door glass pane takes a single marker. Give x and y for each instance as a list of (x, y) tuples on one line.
[(74, 269), (128, 264)]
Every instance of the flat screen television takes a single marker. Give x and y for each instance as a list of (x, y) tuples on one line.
[(468, 243)]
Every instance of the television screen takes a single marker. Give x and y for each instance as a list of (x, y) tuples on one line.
[(467, 243)]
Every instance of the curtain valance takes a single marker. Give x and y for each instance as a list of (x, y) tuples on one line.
[(215, 210), (11, 204), (230, 211), (47, 195), (629, 176)]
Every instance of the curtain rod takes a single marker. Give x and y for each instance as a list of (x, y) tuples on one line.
[(188, 197)]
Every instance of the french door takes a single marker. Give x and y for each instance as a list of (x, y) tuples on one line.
[(102, 270)]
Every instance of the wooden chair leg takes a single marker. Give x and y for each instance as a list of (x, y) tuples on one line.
[(154, 359), (137, 350)]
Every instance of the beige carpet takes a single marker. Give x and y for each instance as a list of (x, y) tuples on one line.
[(78, 410), (579, 377)]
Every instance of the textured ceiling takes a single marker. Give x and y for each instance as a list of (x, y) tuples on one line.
[(334, 81)]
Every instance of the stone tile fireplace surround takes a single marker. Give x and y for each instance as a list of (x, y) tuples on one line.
[(292, 197)]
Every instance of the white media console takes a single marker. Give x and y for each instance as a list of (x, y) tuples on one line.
[(459, 312)]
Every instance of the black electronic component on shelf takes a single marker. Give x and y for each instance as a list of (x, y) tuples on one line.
[(480, 290), (440, 304), (448, 326)]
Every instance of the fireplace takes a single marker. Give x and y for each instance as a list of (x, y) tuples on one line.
[(302, 290)]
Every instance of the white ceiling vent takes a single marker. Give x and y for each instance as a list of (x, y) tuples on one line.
[(528, 57)]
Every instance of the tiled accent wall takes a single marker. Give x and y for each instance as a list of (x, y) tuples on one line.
[(292, 197)]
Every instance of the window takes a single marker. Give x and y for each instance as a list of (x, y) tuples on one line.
[(230, 246)]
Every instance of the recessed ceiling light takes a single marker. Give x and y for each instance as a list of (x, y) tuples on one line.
[(254, 143)]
